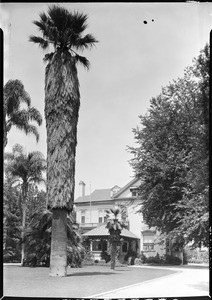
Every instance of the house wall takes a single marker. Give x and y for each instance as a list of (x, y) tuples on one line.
[(92, 212)]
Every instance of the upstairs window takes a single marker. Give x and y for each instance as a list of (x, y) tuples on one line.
[(148, 241), (83, 219)]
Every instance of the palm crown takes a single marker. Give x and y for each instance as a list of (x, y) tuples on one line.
[(14, 96), (63, 30), (115, 224)]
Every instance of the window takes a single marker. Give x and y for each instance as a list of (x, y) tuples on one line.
[(96, 246), (124, 247), (148, 246), (100, 219), (105, 219), (148, 241), (134, 191), (83, 219)]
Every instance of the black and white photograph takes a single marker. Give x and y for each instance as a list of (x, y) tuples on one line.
[(106, 126)]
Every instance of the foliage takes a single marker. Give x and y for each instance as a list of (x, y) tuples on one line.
[(196, 255), (14, 115), (172, 156), (12, 217), (115, 226), (130, 253), (38, 241), (173, 260), (12, 224), (63, 29), (106, 256), (24, 170)]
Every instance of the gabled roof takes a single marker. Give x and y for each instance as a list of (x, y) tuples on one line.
[(103, 231), (97, 195), (133, 181)]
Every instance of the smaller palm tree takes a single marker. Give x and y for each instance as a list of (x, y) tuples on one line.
[(38, 240), (115, 225), (25, 169), (14, 96)]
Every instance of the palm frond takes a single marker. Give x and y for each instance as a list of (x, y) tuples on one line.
[(77, 21), (31, 129), (38, 40), (14, 94), (83, 60), (35, 115), (41, 25), (48, 56), (86, 42)]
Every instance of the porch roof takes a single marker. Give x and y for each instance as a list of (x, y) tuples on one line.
[(103, 231)]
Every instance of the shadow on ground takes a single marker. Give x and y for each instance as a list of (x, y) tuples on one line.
[(90, 274)]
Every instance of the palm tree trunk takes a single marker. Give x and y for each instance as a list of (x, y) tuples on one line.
[(113, 255), (62, 101), (23, 215), (23, 235), (58, 257)]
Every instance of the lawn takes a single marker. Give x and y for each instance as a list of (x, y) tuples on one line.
[(80, 282)]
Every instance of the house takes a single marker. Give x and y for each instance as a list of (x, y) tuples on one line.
[(91, 216)]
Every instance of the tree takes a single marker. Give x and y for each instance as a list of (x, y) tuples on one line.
[(24, 169), (14, 96), (38, 240), (115, 226), (12, 223), (64, 31), (172, 156)]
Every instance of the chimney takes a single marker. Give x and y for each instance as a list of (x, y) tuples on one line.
[(82, 188)]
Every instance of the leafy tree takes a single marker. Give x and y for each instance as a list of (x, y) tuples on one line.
[(64, 31), (24, 170), (14, 96), (115, 226), (172, 156)]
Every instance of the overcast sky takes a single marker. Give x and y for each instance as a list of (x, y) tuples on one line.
[(129, 65)]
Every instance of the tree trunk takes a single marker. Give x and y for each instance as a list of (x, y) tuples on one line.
[(23, 217), (113, 255), (62, 101), (23, 235), (58, 257)]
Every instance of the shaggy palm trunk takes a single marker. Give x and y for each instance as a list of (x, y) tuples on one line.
[(23, 235), (62, 101), (113, 255), (58, 257), (23, 218)]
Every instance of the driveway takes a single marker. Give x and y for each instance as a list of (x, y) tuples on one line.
[(188, 281)]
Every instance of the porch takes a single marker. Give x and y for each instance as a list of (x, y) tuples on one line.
[(99, 243)]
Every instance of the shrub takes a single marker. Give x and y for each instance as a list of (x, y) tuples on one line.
[(106, 256), (173, 260)]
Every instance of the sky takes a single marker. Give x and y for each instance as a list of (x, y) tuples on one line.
[(130, 64)]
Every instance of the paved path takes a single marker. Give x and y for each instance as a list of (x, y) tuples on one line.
[(187, 282)]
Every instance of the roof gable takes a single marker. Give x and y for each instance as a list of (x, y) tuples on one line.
[(133, 182)]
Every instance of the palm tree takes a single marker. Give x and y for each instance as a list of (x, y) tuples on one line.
[(14, 96), (115, 226), (38, 239), (25, 169), (63, 30)]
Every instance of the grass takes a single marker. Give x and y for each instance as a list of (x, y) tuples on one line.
[(79, 282)]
